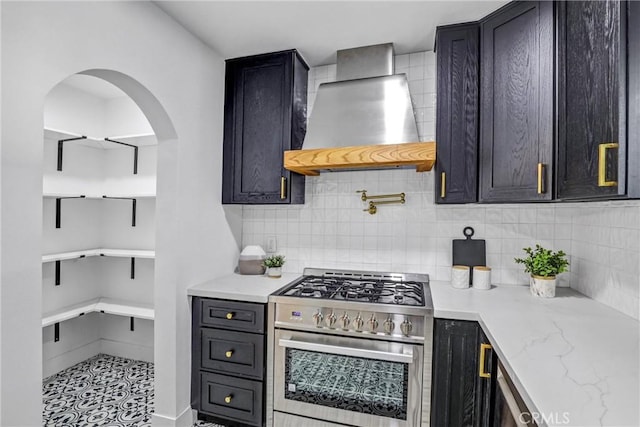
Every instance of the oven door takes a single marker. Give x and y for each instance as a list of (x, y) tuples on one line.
[(354, 381)]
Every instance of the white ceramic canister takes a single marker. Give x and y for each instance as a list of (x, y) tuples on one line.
[(481, 277), (460, 276)]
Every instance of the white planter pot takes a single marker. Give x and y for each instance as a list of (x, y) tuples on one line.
[(544, 287), (274, 272)]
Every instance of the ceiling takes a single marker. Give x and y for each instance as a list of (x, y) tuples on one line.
[(319, 28)]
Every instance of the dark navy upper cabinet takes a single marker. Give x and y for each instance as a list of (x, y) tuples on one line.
[(264, 115), (457, 48), (516, 99), (594, 156)]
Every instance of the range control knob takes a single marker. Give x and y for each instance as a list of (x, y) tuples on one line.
[(317, 319), (406, 327), (344, 320), (373, 323), (389, 326), (330, 320), (358, 322)]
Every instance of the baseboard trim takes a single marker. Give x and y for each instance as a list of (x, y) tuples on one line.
[(60, 362), (185, 419), (126, 350)]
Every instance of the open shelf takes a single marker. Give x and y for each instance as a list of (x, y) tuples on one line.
[(122, 253), (99, 305), (139, 140), (56, 195)]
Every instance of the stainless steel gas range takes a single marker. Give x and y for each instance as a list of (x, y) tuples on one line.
[(351, 348)]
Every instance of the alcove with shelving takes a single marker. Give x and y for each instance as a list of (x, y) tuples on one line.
[(98, 245)]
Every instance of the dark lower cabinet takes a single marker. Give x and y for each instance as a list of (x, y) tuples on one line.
[(458, 51), (265, 114), (462, 382), (516, 99), (228, 361), (232, 398), (594, 155)]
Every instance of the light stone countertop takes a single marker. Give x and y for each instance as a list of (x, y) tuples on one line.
[(568, 354), (240, 287)]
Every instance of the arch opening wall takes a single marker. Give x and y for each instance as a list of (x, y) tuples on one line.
[(158, 64)]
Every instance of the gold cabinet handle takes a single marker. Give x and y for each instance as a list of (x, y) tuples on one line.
[(228, 398), (228, 354), (283, 188), (481, 371), (443, 185), (541, 185), (229, 316), (602, 164)]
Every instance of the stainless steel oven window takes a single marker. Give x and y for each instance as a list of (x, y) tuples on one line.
[(363, 385)]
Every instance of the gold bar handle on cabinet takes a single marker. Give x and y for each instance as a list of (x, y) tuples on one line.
[(283, 188), (541, 185), (602, 164), (481, 371), (443, 185), (228, 398)]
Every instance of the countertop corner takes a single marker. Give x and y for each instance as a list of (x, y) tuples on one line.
[(570, 357)]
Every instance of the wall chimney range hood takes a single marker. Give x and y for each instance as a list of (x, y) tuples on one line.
[(363, 120)]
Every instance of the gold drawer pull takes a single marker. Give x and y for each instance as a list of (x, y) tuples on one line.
[(229, 315), (228, 354), (481, 371), (541, 185), (283, 188), (602, 164), (443, 185), (228, 398)]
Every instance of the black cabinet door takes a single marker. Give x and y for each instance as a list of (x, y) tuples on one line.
[(265, 114), (455, 368), (457, 113), (463, 386), (516, 126), (633, 100), (591, 99)]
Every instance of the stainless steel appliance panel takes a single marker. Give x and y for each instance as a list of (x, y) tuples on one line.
[(299, 314), (288, 420)]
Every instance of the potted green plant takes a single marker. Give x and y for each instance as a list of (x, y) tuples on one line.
[(274, 265), (543, 265)]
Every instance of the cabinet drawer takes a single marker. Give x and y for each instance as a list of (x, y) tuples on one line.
[(233, 315), (232, 352), (231, 398)]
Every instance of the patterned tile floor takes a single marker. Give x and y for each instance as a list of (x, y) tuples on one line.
[(101, 391)]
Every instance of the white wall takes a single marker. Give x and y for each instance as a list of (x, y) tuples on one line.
[(331, 230), (42, 44), (68, 108)]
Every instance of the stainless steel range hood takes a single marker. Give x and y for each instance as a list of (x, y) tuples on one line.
[(365, 119)]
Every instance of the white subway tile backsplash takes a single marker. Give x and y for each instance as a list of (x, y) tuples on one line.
[(332, 230)]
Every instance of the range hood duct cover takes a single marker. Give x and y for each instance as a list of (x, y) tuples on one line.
[(368, 106)]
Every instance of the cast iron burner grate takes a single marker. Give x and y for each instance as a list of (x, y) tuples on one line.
[(381, 291)]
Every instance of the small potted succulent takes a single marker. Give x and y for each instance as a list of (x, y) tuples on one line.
[(274, 265), (544, 265)]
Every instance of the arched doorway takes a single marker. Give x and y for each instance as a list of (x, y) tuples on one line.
[(99, 229)]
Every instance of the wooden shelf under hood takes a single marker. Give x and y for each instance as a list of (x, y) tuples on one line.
[(422, 155)]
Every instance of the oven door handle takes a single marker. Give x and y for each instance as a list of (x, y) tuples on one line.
[(514, 408), (348, 351)]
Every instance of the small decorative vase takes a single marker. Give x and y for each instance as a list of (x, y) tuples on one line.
[(544, 287), (274, 272)]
